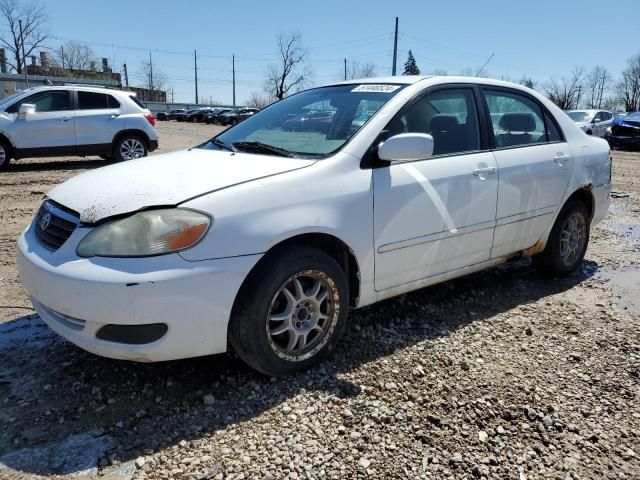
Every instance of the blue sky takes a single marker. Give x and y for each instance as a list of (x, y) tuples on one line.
[(539, 39)]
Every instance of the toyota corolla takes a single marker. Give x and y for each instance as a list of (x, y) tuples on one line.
[(263, 238)]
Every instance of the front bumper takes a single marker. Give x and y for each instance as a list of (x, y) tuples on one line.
[(77, 296)]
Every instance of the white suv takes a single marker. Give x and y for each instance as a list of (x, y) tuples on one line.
[(75, 120)]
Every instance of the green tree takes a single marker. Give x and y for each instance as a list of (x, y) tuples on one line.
[(410, 66)]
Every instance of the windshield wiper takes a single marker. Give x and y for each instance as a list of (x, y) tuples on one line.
[(221, 144), (264, 147)]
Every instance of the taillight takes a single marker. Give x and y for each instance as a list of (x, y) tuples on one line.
[(150, 119)]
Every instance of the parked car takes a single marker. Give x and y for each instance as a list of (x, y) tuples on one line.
[(310, 122), (182, 117), (592, 122), (208, 117), (75, 120), (216, 117), (198, 115), (617, 115), (625, 132), (233, 117), (263, 238), (173, 115), (167, 115)]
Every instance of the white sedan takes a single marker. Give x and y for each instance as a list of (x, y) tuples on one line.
[(263, 237)]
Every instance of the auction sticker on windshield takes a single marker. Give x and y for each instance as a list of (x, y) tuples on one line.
[(376, 88)]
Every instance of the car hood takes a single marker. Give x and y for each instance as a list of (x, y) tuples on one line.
[(164, 180)]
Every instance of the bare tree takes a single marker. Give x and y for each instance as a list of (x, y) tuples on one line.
[(75, 56), (628, 88), (258, 101), (33, 17), (153, 79), (527, 82), (567, 92), (439, 72), (597, 84), (359, 70), (289, 74)]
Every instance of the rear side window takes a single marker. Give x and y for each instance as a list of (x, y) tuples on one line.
[(516, 120), (96, 101), (49, 101), (448, 115), (137, 102)]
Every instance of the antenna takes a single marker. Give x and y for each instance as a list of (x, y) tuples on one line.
[(485, 64)]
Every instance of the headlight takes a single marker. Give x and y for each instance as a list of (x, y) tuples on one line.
[(152, 232), (609, 131)]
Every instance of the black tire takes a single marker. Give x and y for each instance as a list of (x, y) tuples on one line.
[(5, 155), (589, 132), (261, 294), (554, 261), (119, 148)]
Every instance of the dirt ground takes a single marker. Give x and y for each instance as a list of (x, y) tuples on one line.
[(502, 374)]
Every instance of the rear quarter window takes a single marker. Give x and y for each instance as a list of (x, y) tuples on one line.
[(137, 102)]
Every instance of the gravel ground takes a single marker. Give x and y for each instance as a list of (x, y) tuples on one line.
[(501, 374)]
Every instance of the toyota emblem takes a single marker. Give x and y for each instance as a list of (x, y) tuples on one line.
[(45, 221)]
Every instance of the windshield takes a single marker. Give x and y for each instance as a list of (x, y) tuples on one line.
[(580, 116), (313, 123), (10, 98), (634, 117)]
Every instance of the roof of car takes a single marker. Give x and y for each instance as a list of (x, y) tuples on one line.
[(92, 88), (412, 79)]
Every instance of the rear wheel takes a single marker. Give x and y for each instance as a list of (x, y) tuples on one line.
[(130, 147), (291, 311), (567, 242), (5, 155)]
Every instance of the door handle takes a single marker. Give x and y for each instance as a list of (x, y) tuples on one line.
[(115, 115), (65, 119), (561, 158), (479, 171)]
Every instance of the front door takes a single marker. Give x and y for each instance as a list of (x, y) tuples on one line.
[(435, 215), (50, 127), (535, 168)]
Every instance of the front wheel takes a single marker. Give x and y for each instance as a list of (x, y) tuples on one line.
[(290, 312), (5, 155), (130, 147), (567, 242)]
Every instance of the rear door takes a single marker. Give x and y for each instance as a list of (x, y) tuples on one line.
[(98, 118), (50, 126), (534, 162)]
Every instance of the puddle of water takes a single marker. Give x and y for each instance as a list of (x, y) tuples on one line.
[(76, 455), (627, 283), (630, 230), (29, 329)]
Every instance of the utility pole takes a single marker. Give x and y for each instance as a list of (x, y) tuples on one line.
[(24, 59), (172, 95), (150, 73), (195, 67), (345, 69), (395, 50), (126, 76), (62, 55), (233, 69)]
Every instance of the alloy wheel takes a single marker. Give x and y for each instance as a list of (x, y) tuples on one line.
[(573, 236), (303, 315), (131, 148)]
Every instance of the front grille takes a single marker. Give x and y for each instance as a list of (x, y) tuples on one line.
[(54, 224)]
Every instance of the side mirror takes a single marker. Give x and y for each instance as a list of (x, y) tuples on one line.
[(406, 147), (26, 109)]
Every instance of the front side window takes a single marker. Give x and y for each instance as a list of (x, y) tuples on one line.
[(313, 123), (449, 116), (50, 101), (96, 101), (516, 120)]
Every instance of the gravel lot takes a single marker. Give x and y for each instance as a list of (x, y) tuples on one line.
[(502, 374)]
